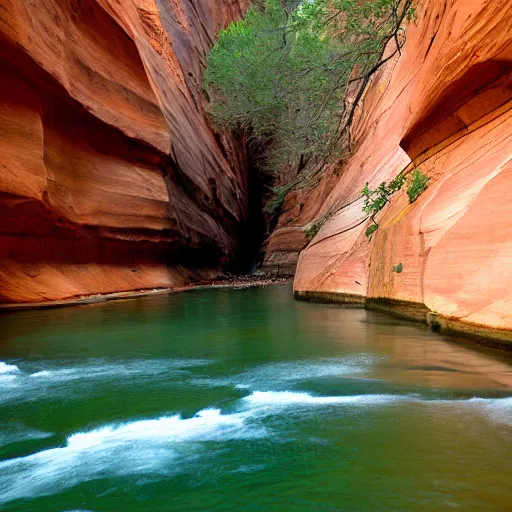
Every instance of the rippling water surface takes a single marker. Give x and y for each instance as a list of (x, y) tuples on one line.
[(225, 400)]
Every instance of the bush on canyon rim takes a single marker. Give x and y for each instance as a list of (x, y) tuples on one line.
[(292, 72)]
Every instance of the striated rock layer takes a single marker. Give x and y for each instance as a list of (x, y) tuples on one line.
[(111, 178), (445, 106)]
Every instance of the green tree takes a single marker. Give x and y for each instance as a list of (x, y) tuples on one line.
[(292, 72)]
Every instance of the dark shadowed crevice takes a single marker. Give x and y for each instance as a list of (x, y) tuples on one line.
[(252, 234)]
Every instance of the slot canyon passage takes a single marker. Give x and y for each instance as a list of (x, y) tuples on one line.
[(381, 379)]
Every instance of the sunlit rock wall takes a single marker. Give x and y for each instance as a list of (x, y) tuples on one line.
[(445, 106), (110, 176)]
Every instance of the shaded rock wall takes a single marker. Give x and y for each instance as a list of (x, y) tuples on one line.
[(110, 176), (445, 106)]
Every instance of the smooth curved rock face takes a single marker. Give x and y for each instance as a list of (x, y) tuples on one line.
[(111, 178), (445, 106)]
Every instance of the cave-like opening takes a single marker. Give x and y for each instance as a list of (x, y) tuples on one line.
[(253, 233)]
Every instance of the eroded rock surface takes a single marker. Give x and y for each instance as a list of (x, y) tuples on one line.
[(445, 106), (111, 178)]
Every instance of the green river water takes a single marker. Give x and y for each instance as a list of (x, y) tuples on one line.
[(246, 400)]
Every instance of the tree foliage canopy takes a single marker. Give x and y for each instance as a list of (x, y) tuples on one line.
[(293, 71)]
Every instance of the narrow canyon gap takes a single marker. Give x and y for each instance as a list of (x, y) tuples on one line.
[(112, 177), (115, 182)]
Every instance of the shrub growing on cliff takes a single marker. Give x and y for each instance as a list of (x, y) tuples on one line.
[(312, 230), (278, 198), (293, 71), (398, 268), (418, 185), (375, 200)]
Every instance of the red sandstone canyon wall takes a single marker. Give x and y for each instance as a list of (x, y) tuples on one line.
[(445, 106), (111, 178)]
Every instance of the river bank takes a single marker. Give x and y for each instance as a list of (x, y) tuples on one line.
[(239, 282), (247, 400)]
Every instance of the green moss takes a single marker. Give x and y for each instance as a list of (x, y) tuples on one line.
[(344, 299), (314, 228), (278, 198)]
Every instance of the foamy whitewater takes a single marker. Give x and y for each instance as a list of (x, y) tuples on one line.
[(8, 368), (281, 375), (234, 401), (138, 447), (152, 446), (166, 445), (30, 382), (12, 432), (290, 399)]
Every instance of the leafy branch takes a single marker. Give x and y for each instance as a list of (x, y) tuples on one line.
[(376, 200)]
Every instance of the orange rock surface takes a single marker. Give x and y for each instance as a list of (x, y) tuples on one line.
[(445, 106), (111, 178)]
